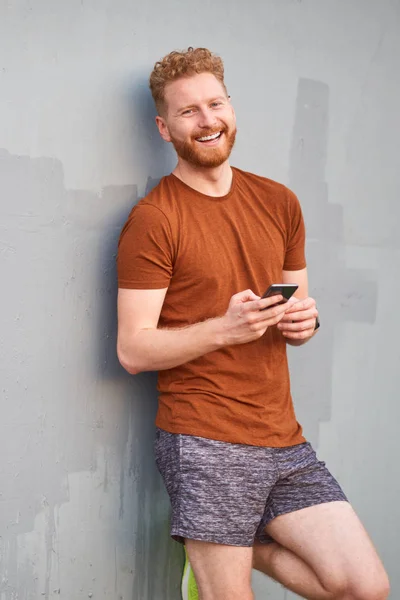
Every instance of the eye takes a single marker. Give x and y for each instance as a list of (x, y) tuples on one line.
[(216, 104), (189, 111)]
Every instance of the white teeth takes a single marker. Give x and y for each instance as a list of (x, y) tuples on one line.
[(209, 137)]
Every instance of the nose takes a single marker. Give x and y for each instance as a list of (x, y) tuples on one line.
[(207, 118)]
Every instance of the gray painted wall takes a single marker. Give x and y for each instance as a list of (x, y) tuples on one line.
[(83, 513)]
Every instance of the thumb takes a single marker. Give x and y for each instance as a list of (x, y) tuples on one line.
[(289, 304), (246, 296)]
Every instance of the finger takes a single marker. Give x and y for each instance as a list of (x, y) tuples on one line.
[(305, 304), (268, 317), (293, 300), (298, 335), (297, 326), (245, 296), (304, 315), (262, 303)]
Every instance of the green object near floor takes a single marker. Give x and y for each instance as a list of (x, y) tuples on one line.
[(189, 587)]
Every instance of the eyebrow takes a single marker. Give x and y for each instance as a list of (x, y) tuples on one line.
[(183, 108)]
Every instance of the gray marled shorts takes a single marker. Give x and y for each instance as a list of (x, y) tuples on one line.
[(227, 493)]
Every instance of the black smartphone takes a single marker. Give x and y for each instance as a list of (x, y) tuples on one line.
[(280, 289)]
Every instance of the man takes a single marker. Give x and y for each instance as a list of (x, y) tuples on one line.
[(194, 258)]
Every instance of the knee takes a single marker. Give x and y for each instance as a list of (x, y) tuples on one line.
[(377, 588)]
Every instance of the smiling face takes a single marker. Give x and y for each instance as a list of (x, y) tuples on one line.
[(199, 120)]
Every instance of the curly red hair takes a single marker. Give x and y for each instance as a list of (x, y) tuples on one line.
[(183, 64)]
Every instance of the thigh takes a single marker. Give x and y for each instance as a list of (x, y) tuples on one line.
[(303, 481), (331, 540), (222, 572)]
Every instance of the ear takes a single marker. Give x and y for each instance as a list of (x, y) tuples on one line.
[(163, 129)]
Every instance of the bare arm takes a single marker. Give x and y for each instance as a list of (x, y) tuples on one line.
[(142, 346), (298, 324)]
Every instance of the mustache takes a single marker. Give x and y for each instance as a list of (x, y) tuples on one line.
[(207, 132)]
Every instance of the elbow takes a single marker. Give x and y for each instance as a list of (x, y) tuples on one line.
[(129, 362), (130, 368)]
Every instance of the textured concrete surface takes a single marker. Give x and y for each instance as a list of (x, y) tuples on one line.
[(83, 513)]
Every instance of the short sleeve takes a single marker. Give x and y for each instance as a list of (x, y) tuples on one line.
[(295, 259), (145, 254)]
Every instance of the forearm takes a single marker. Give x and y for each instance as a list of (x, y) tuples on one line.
[(160, 349)]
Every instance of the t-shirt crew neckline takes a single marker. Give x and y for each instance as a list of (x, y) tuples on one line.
[(206, 196)]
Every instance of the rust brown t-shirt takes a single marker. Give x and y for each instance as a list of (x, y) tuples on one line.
[(205, 249)]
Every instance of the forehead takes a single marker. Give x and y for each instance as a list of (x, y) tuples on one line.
[(192, 90)]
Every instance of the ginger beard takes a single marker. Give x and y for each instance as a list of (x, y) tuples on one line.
[(208, 156)]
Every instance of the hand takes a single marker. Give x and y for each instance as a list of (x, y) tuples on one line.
[(298, 323), (248, 317)]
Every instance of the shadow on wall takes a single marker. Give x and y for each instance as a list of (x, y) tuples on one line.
[(155, 157), (70, 406), (153, 545), (342, 293)]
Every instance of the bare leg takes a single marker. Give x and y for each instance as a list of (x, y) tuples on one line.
[(222, 572), (292, 572), (323, 553)]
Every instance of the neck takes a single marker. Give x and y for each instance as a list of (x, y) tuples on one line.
[(210, 181)]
